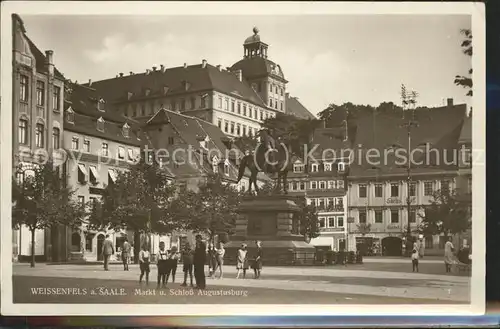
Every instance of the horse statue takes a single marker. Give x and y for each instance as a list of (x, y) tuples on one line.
[(271, 156)]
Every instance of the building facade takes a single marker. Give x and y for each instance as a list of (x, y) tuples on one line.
[(379, 188), (37, 118), (322, 180)]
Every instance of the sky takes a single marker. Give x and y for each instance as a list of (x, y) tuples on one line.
[(327, 59)]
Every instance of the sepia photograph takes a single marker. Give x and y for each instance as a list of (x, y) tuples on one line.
[(242, 158)]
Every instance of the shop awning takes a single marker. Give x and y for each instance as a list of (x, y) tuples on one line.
[(322, 241), (93, 170), (112, 175), (82, 169)]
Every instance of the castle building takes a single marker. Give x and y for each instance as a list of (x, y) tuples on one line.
[(378, 179), (37, 119)]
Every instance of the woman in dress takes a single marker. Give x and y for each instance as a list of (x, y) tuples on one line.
[(219, 259), (257, 264), (448, 255), (242, 262)]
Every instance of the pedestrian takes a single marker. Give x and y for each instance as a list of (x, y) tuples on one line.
[(257, 263), (107, 250), (187, 264), (162, 266), (448, 255), (212, 259), (126, 248), (414, 260), (219, 259), (199, 259), (173, 258), (242, 261), (144, 259)]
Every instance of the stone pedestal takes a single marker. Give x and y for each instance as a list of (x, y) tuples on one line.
[(274, 221)]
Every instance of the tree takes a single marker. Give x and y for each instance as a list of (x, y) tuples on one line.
[(447, 214), (295, 130), (210, 210), (460, 80), (308, 219), (137, 201), (41, 201)]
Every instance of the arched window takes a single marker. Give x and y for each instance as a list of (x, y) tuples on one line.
[(56, 133)]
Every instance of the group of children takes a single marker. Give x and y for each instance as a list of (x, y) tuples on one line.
[(166, 263), (242, 260)]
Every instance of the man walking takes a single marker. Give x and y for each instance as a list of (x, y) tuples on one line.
[(107, 251), (199, 262)]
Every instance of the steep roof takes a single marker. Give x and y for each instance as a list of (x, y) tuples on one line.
[(112, 131), (41, 60), (254, 67), (84, 100), (466, 133), (438, 128), (192, 130), (173, 81), (295, 107)]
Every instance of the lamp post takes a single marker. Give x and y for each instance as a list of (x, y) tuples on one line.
[(409, 100)]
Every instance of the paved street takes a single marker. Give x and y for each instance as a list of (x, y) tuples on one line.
[(370, 283)]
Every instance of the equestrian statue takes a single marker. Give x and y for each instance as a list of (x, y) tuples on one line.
[(271, 156)]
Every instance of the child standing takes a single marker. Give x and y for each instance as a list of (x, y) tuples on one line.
[(144, 258), (242, 264), (414, 260), (172, 263), (162, 266)]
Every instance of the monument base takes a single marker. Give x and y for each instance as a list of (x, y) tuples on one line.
[(272, 220)]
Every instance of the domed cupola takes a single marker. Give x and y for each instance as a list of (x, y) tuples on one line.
[(253, 47)]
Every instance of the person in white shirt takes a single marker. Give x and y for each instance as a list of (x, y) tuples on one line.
[(219, 254), (144, 259), (162, 266), (414, 260)]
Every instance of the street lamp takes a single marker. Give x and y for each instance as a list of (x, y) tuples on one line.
[(408, 100)]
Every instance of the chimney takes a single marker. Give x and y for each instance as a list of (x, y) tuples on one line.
[(131, 73), (90, 82), (185, 65), (239, 74), (154, 68), (449, 101), (148, 71), (204, 63), (219, 67), (162, 68), (49, 61), (121, 75)]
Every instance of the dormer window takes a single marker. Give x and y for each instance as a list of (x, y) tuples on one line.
[(298, 167), (100, 124), (314, 167), (165, 90), (100, 105), (186, 85), (341, 167), (327, 166), (129, 95), (70, 115), (125, 130), (215, 164), (147, 92), (226, 168)]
